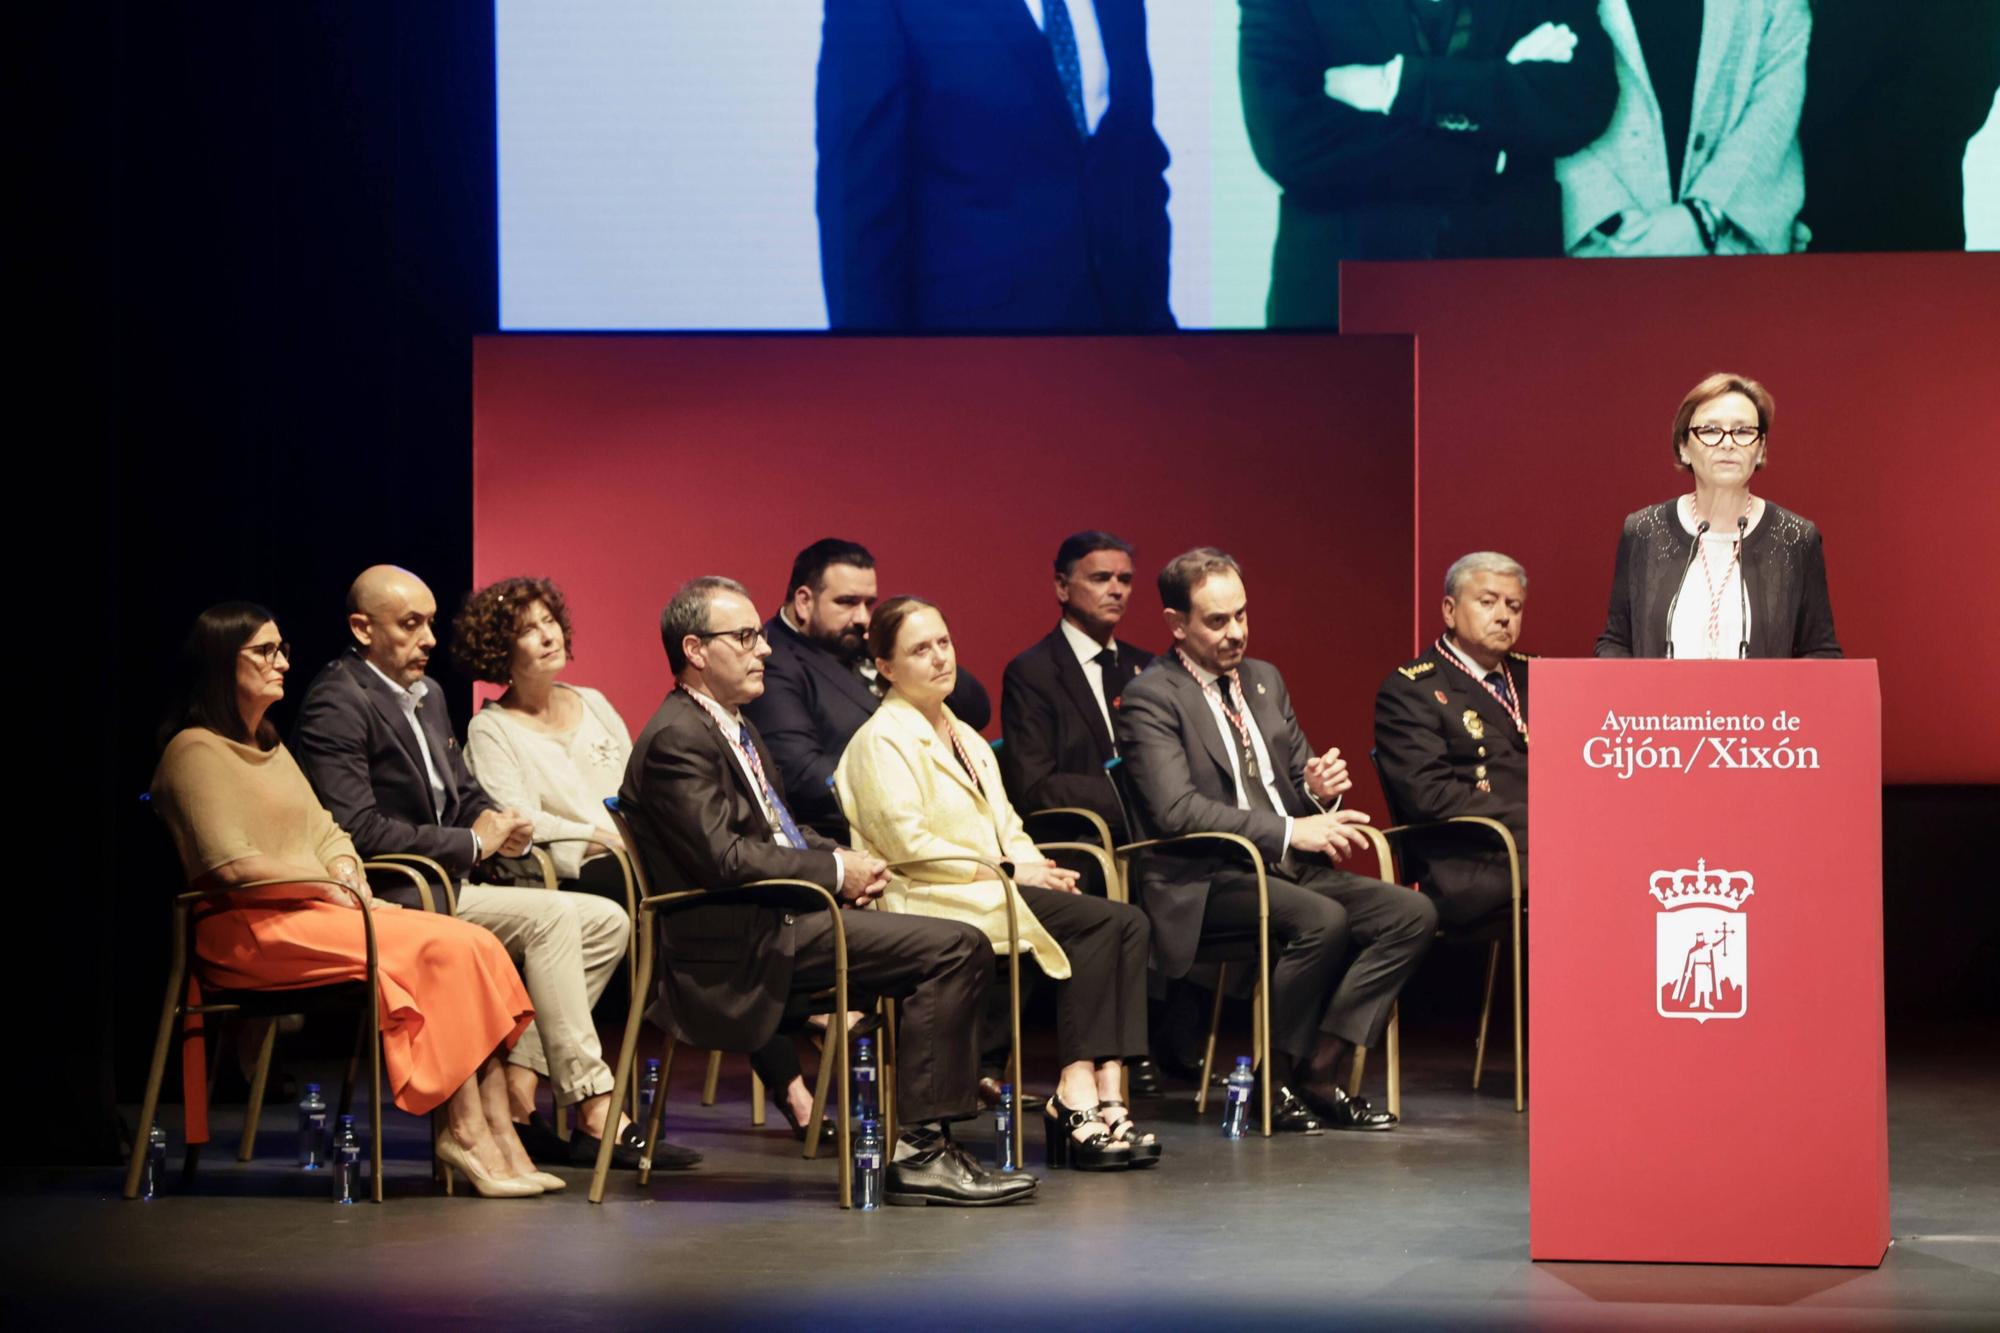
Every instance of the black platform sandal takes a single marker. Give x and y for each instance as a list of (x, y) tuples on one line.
[(1094, 1152), (1145, 1144)]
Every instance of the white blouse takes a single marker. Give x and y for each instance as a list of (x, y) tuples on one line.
[(1711, 616), (559, 779)]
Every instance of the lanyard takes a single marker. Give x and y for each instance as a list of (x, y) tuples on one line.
[(1506, 701)]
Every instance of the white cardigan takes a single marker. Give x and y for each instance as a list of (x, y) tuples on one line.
[(560, 780)]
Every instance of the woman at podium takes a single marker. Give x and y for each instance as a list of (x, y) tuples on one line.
[(1719, 572)]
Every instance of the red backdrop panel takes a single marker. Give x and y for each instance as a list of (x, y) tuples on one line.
[(1548, 391), (620, 466)]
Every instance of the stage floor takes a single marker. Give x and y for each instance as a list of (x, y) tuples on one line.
[(1421, 1227)]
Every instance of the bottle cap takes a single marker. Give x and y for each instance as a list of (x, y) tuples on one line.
[(864, 1044), (870, 1125), (652, 1064), (1006, 1089), (347, 1122), (312, 1087), (1242, 1062)]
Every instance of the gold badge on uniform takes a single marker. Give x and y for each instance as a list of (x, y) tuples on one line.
[(1473, 725), (1483, 785), (1440, 697)]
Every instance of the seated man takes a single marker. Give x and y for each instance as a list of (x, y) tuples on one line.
[(1211, 744), (1056, 699), (378, 748), (708, 810), (1451, 738), (821, 684)]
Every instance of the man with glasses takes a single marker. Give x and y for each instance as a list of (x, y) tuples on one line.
[(820, 685), (708, 810), (1451, 738), (376, 743)]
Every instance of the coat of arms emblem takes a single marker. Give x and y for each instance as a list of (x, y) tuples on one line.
[(1702, 943)]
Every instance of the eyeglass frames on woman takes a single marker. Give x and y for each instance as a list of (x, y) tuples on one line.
[(1743, 437), (269, 653)]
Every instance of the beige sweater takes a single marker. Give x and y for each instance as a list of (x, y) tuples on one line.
[(559, 780), (223, 801)]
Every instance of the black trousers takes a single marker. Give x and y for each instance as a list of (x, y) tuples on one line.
[(938, 972), (1345, 944), (1477, 894), (1101, 1008)]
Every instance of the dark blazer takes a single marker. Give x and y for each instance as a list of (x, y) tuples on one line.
[(354, 743), (1418, 182), (812, 705), (954, 189), (1431, 759), (1784, 576), (698, 824), (1178, 767), (1056, 741)]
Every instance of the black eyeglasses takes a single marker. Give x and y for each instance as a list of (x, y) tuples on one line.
[(745, 639), (270, 652), (1743, 437)]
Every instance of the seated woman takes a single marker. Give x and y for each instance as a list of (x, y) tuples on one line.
[(240, 811), (917, 783), (556, 751)]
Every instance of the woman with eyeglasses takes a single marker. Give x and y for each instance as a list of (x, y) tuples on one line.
[(241, 813), (1719, 572)]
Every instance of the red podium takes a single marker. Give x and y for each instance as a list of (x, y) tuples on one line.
[(1706, 1052)]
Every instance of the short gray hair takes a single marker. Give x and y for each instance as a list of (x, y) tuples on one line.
[(1483, 562), (687, 613), (1188, 571)]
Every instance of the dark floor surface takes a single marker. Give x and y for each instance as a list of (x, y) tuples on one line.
[(1427, 1226)]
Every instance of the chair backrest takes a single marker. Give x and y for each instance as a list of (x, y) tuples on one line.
[(1397, 815), (624, 828), (1137, 828)]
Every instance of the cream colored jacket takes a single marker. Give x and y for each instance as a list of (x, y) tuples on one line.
[(907, 797)]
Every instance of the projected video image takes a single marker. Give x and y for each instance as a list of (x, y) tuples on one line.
[(1135, 165)]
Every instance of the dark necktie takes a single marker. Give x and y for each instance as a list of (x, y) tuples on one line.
[(1237, 708), (1107, 662), (1498, 684), (1069, 65), (770, 794)]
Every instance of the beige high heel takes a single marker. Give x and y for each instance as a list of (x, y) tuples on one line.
[(456, 1158)]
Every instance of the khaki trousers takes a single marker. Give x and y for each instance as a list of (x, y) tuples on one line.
[(567, 945)]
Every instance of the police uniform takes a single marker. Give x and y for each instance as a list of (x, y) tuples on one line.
[(1445, 746)]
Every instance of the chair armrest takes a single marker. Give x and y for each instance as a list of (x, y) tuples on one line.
[(624, 859), (759, 889), (421, 884), (1090, 817), (428, 866), (1385, 859), (1114, 887), (183, 900), (1125, 854), (1486, 822), (999, 873)]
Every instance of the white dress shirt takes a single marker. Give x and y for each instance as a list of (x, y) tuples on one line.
[(1713, 578), (1086, 650), (731, 726), (1235, 750), (1096, 69), (409, 700)]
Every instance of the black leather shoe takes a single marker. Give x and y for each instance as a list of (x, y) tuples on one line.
[(1142, 1079), (544, 1148), (1289, 1115), (989, 1096), (628, 1148), (1337, 1110), (946, 1174), (827, 1127)]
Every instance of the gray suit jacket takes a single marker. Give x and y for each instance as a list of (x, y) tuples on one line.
[(1743, 135), (1178, 768)]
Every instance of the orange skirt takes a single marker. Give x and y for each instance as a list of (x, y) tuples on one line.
[(449, 995)]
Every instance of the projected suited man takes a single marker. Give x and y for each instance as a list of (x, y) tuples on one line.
[(990, 166)]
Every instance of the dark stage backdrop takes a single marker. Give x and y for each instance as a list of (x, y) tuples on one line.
[(1547, 405), (621, 466)]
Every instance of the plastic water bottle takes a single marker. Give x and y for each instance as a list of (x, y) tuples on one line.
[(1003, 1130), (312, 1129), (868, 1166), (346, 1162), (649, 1092), (155, 1173), (1236, 1107), (867, 1091)]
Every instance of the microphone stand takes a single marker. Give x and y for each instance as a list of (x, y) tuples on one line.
[(1742, 590), (1693, 547)]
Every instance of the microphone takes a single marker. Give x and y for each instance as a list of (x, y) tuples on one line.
[(1742, 591), (1694, 548)]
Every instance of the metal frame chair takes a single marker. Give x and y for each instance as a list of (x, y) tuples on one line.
[(361, 995), (650, 906), (1402, 830)]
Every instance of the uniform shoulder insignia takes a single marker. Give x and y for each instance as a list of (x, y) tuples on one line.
[(1520, 657), (1415, 669)]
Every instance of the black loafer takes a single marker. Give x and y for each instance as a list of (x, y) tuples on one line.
[(1337, 1110), (989, 1097), (1288, 1116), (1142, 1079), (945, 1174), (544, 1148), (627, 1150)]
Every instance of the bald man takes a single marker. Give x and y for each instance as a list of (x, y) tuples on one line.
[(376, 742)]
